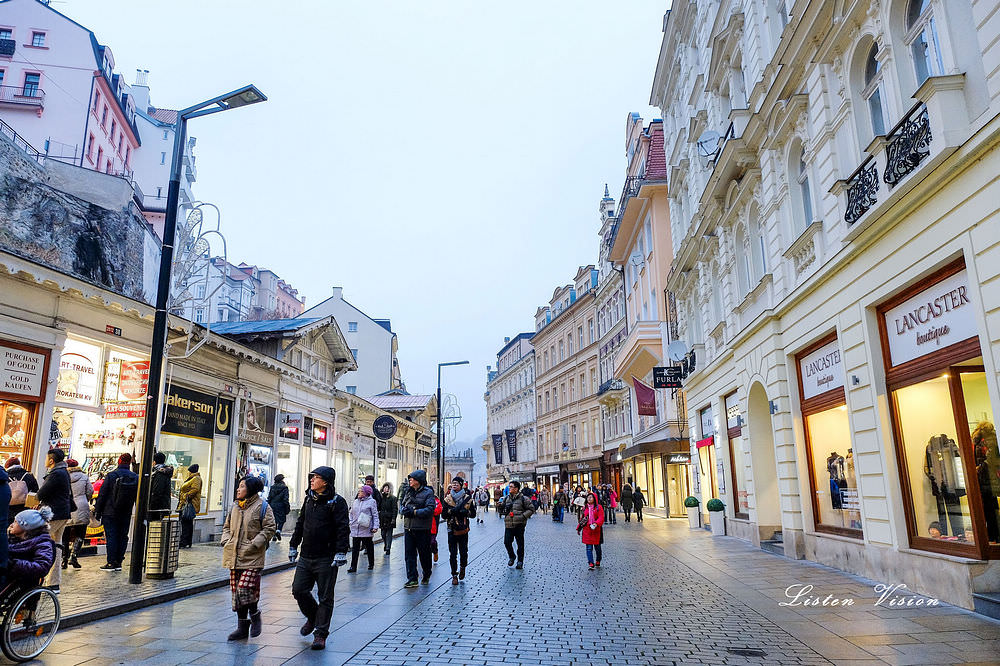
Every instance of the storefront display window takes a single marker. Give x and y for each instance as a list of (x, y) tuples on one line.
[(829, 449), (23, 371), (737, 457), (942, 417), (706, 456)]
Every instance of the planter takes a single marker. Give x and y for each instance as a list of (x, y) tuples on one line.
[(694, 517), (718, 522)]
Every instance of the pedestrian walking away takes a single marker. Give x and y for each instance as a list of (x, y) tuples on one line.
[(56, 492), (248, 529), (76, 528), (579, 499), (591, 529), (376, 495), (21, 483), (614, 505), (559, 503), (160, 480), (113, 508), (459, 507), (638, 501), (323, 531), (626, 501), (277, 499), (417, 508), (387, 512), (189, 504), (364, 524), (482, 497), (516, 509)]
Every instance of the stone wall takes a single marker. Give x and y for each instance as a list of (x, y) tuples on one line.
[(49, 226)]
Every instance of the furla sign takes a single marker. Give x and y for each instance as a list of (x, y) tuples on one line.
[(937, 317)]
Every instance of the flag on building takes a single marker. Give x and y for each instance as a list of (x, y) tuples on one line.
[(498, 448), (645, 398), (511, 444)]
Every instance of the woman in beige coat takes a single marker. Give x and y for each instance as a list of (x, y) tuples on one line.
[(189, 493), (245, 536)]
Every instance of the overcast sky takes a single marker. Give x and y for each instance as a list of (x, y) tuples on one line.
[(441, 161)]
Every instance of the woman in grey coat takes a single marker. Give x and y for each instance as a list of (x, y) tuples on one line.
[(76, 528)]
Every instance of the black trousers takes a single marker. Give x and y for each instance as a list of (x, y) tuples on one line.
[(638, 513), (510, 534), (458, 548), (417, 543), (369, 545), (187, 532), (116, 537), (387, 538), (315, 571)]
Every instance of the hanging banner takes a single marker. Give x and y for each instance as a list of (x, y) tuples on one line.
[(257, 424), (645, 398), (498, 448), (511, 444)]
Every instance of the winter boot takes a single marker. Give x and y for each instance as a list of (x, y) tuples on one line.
[(255, 624), (73, 561), (242, 631)]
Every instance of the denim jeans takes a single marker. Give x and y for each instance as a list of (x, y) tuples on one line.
[(116, 537), (417, 543), (315, 571), (590, 553)]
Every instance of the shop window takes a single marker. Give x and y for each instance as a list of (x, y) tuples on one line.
[(15, 425), (738, 458), (942, 418)]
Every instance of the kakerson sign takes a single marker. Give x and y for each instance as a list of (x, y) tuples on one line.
[(189, 413), (937, 317)]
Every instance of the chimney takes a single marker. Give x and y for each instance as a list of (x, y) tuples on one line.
[(142, 77), (506, 340), (338, 292)]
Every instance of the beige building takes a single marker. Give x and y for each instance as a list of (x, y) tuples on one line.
[(836, 272), (568, 415), (656, 459)]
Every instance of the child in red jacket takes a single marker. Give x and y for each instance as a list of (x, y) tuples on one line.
[(591, 528)]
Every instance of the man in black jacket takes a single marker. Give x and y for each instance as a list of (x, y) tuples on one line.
[(417, 508), (323, 530), (160, 501), (114, 509), (56, 492)]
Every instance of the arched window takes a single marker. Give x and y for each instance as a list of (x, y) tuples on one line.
[(922, 39), (742, 262), (872, 92), (801, 192), (758, 249)]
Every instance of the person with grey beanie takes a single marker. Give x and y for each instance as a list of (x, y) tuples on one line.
[(31, 552)]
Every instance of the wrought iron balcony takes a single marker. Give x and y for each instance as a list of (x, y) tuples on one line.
[(7, 47), (611, 385), (629, 190), (26, 95), (862, 191), (907, 144)]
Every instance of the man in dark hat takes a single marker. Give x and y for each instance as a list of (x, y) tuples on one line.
[(417, 508), (113, 508), (323, 531)]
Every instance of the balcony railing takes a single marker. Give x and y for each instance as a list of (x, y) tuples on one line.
[(862, 190), (907, 144), (19, 141), (26, 95), (7, 47), (629, 190), (611, 385)]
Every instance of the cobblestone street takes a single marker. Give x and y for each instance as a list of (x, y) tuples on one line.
[(664, 595)]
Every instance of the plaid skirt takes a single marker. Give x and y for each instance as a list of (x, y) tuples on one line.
[(245, 586)]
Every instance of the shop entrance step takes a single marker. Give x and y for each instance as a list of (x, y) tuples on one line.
[(774, 545), (987, 603)]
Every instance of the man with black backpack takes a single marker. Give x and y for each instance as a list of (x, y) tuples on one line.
[(459, 507), (114, 509)]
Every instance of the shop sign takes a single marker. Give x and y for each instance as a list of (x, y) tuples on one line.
[(290, 425), (257, 423), (667, 377), (319, 435), (21, 371), (548, 469), (384, 427), (188, 413), (125, 380), (364, 447), (224, 416), (935, 318), (78, 377), (821, 371), (701, 443), (125, 410), (679, 459)]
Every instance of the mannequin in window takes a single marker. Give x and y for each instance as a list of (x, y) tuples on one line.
[(943, 468), (838, 481), (984, 443)]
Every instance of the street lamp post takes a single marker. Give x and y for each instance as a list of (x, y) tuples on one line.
[(440, 421), (233, 100)]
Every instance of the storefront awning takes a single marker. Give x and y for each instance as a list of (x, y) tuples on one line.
[(660, 446)]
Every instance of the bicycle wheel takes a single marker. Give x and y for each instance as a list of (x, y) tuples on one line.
[(30, 624)]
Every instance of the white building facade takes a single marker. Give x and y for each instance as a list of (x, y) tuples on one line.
[(510, 412), (835, 272)]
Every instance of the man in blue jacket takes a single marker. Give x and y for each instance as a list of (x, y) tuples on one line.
[(114, 509), (417, 509)]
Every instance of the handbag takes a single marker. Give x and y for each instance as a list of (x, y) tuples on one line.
[(31, 501), (364, 520), (188, 512), (579, 501)]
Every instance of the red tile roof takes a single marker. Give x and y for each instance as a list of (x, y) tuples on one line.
[(656, 160), (163, 115)]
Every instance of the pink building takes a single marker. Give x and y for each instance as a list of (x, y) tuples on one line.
[(58, 89)]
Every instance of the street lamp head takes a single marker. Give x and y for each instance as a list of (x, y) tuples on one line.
[(244, 97), (453, 363)]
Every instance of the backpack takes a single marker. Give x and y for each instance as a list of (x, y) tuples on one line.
[(124, 492), (18, 492)]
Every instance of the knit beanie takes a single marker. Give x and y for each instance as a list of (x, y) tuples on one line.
[(125, 459), (366, 491), (33, 519), (70, 462)]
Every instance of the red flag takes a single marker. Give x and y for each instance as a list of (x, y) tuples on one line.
[(645, 398)]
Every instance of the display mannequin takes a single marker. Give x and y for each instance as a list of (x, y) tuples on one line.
[(838, 481), (984, 443), (943, 468)]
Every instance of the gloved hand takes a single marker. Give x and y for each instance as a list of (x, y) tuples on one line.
[(339, 560), (293, 554), (407, 510), (593, 526)]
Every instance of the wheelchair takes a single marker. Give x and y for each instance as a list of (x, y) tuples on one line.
[(29, 619)]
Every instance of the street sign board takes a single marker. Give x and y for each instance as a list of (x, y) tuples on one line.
[(667, 377), (384, 427)]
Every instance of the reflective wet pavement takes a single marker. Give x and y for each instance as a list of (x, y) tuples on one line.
[(664, 595)]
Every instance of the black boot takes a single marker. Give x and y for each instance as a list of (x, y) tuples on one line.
[(73, 561), (255, 624), (242, 631)]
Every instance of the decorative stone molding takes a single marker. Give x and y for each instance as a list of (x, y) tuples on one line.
[(802, 252)]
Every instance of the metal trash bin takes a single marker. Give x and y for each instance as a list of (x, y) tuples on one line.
[(163, 542)]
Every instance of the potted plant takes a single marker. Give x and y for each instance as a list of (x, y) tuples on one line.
[(694, 514), (718, 519)]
